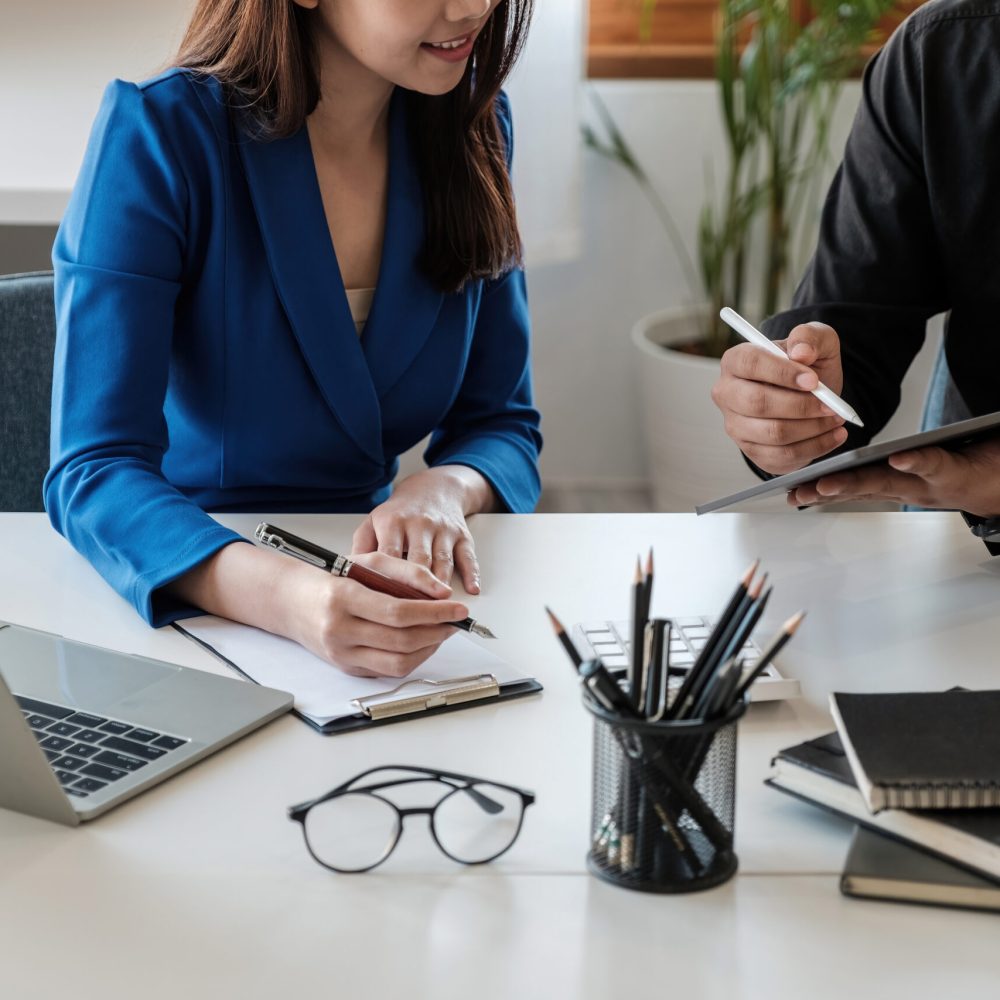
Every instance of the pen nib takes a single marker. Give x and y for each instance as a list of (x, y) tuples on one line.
[(482, 631)]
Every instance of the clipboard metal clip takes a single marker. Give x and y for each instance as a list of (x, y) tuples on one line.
[(453, 691)]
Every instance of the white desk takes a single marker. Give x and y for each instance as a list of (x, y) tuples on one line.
[(203, 887)]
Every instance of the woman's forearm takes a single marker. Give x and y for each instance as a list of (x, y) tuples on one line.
[(245, 584), (478, 495)]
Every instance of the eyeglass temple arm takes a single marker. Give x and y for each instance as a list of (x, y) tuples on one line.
[(483, 801)]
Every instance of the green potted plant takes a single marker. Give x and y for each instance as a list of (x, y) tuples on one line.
[(779, 77)]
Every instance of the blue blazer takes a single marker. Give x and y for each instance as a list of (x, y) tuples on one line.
[(206, 358)]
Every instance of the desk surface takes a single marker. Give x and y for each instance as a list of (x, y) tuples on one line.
[(204, 880)]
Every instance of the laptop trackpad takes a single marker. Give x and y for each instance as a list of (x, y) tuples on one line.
[(69, 673)]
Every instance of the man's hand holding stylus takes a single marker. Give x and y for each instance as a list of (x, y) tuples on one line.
[(767, 403), (781, 427)]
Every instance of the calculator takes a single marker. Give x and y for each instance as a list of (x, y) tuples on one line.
[(609, 641)]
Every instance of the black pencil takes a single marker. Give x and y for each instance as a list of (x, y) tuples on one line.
[(723, 647), (708, 661), (647, 586), (694, 675), (638, 632), (767, 655), (749, 623), (655, 678), (564, 639)]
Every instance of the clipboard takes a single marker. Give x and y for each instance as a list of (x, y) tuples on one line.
[(418, 697), (951, 436)]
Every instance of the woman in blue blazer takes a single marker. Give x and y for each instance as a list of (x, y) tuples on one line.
[(227, 218)]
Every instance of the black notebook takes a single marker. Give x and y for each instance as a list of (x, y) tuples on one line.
[(922, 750), (818, 772), (880, 867)]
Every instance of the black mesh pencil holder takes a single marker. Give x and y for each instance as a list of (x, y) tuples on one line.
[(663, 801)]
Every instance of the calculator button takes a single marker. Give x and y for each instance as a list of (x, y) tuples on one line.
[(39, 721), (66, 777), (83, 750)]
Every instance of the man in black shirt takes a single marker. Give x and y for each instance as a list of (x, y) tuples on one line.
[(911, 228)]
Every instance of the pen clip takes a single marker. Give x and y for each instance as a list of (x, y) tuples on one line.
[(275, 541)]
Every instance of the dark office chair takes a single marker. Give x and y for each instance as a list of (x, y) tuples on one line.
[(27, 341)]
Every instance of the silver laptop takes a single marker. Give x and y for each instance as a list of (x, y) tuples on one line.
[(84, 728)]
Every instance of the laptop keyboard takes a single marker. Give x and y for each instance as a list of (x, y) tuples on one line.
[(89, 752)]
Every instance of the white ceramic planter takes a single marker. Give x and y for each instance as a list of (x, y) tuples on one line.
[(689, 456)]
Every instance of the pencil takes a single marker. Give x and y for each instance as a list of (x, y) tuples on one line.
[(697, 675), (749, 623), (773, 648), (638, 630), (647, 585), (564, 639)]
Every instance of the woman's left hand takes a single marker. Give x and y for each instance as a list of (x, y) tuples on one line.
[(424, 521), (966, 480)]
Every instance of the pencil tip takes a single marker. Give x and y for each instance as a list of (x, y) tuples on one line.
[(749, 574), (758, 586), (556, 624), (794, 622), (649, 562), (638, 570)]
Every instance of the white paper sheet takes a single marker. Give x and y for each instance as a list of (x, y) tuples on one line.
[(323, 692)]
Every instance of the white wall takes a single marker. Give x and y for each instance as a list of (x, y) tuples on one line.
[(55, 60), (583, 309)]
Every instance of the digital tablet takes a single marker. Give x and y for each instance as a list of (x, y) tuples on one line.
[(951, 436)]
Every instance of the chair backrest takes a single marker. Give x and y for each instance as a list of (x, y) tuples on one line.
[(27, 342)]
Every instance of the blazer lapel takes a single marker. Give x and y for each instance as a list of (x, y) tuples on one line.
[(406, 304), (282, 178)]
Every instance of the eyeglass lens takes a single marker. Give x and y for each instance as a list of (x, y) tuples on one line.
[(470, 833), (352, 832)]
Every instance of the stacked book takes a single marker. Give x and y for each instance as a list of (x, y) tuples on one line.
[(920, 774)]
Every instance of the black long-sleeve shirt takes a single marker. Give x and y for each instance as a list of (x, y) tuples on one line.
[(911, 224)]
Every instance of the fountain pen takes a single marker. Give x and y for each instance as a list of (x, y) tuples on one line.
[(315, 555)]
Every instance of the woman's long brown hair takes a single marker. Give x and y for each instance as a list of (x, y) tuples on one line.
[(262, 52)]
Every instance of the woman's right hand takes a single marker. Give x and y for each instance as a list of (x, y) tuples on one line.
[(767, 404), (366, 633), (363, 632)]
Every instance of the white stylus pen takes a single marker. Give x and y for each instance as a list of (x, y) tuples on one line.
[(823, 393)]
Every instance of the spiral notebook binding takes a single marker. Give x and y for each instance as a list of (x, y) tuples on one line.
[(961, 795)]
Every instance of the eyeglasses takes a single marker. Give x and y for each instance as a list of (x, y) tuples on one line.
[(355, 827)]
